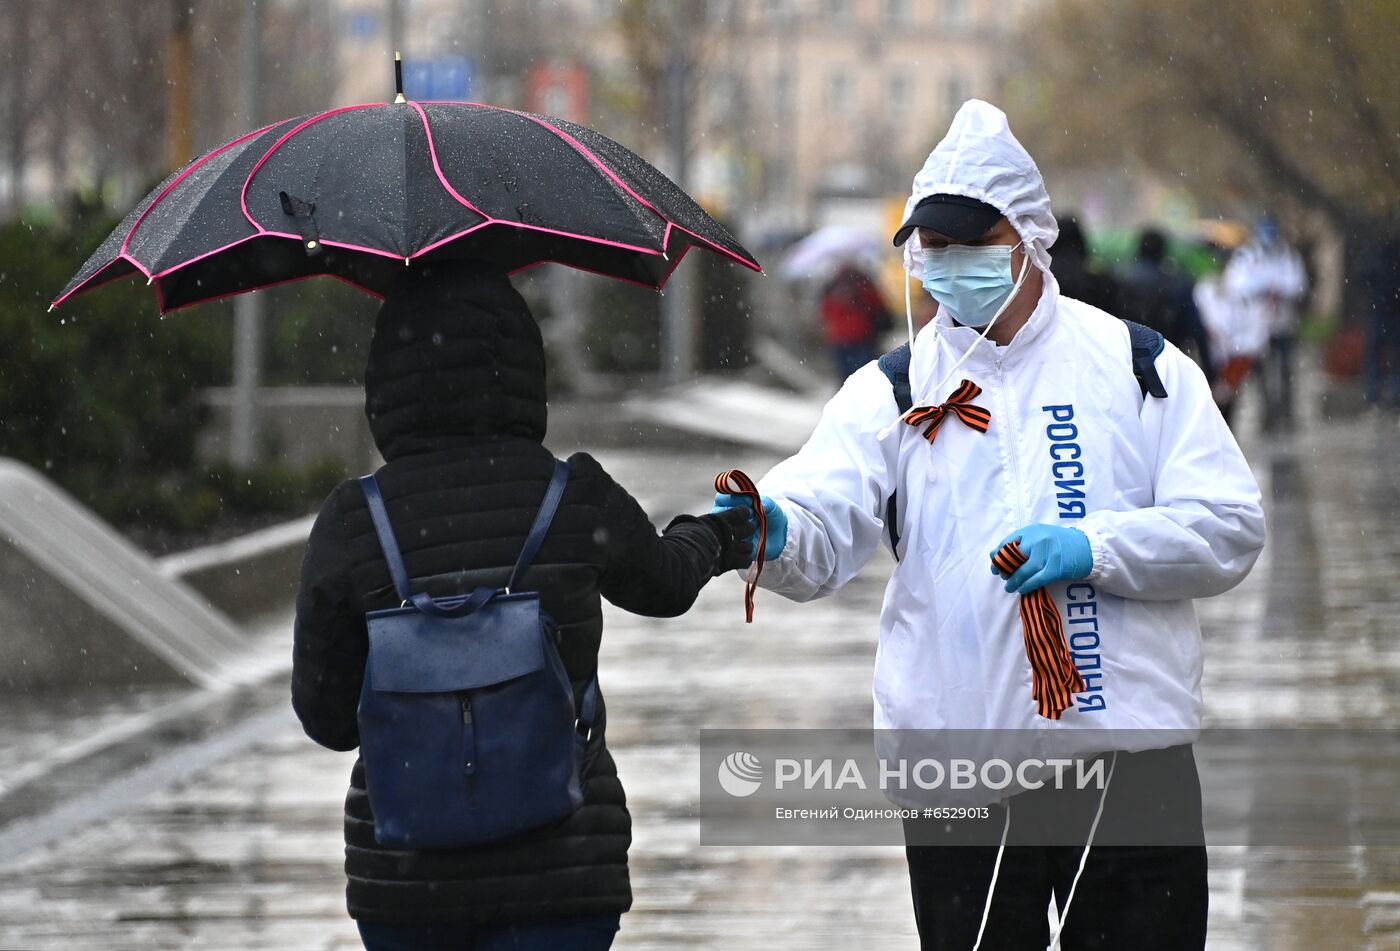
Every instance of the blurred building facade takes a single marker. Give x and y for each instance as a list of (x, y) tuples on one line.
[(799, 112), (788, 108)]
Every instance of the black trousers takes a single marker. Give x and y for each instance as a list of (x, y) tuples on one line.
[(1143, 897)]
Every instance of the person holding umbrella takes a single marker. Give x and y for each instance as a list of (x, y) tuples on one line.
[(455, 395), (1045, 461)]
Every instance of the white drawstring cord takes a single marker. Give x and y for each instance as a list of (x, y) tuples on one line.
[(909, 318), (1083, 858), (996, 869)]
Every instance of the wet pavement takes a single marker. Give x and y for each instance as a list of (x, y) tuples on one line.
[(234, 840)]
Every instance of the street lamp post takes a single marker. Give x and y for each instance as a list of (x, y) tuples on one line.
[(248, 309), (679, 302)]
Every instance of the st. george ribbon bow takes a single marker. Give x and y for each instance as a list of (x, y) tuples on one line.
[(959, 404)]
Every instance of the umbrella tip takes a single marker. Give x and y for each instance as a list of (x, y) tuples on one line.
[(150, 281), (407, 262), (52, 308), (398, 78)]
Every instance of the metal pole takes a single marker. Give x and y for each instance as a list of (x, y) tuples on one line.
[(248, 310), (679, 300), (179, 138)]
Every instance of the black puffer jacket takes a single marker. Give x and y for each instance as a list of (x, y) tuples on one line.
[(456, 399)]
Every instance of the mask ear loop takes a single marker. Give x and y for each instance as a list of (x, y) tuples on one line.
[(909, 320)]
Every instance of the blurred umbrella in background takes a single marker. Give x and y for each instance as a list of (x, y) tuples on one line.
[(360, 192), (823, 251)]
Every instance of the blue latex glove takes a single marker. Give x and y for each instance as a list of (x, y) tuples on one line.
[(1053, 554), (777, 522)]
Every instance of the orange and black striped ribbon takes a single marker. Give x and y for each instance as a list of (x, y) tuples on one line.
[(1054, 678), (736, 482), (959, 404)]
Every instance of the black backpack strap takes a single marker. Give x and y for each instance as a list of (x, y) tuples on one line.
[(548, 507), (1148, 345), (895, 366)]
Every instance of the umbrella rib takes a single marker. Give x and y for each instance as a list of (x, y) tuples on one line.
[(243, 197), (182, 176), (87, 284), (491, 220), (437, 168), (588, 153)]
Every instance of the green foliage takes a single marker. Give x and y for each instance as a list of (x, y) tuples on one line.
[(102, 394)]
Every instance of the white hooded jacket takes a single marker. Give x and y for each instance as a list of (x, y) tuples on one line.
[(1159, 486)]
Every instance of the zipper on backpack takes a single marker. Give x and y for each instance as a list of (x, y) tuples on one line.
[(468, 736)]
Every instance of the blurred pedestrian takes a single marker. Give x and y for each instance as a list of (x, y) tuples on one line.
[(1160, 296), (1382, 278), (854, 318), (1023, 420), (1237, 337), (1078, 277), (455, 395), (1268, 276)]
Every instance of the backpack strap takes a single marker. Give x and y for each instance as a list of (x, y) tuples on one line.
[(895, 366), (548, 507), (1148, 345), (399, 573), (375, 499)]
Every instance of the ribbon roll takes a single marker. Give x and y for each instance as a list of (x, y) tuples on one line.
[(1054, 678), (737, 482)]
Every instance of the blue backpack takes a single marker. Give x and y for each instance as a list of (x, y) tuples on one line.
[(1147, 345), (468, 730)]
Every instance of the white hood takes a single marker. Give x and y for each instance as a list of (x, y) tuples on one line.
[(980, 158)]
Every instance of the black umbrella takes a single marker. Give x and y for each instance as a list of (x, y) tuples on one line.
[(360, 192)]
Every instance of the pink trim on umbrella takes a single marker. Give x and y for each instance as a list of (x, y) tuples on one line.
[(183, 175), (86, 283), (243, 196), (588, 153), (661, 252), (432, 151), (490, 220), (377, 252), (751, 265), (672, 264), (194, 260)]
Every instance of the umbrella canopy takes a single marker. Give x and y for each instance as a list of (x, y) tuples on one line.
[(826, 248), (359, 193)]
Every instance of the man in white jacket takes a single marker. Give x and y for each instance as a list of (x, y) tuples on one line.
[(1269, 278), (1127, 506)]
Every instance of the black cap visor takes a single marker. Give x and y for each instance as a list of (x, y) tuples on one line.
[(955, 216)]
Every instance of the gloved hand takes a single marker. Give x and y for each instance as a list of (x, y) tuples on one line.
[(1053, 553), (777, 524), (735, 528)]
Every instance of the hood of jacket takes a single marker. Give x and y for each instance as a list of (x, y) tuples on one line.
[(456, 357), (980, 158)]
